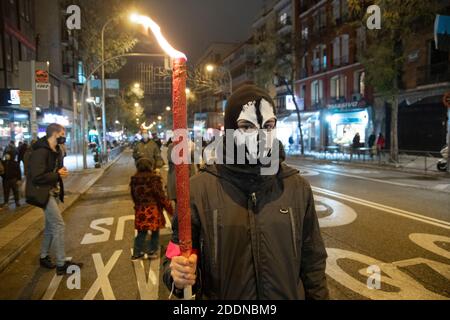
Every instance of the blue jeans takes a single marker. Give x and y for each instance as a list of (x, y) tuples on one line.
[(54, 232), (140, 243)]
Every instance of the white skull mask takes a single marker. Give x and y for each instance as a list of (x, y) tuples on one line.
[(258, 142)]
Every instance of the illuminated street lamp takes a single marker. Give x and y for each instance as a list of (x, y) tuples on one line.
[(210, 68), (159, 118), (168, 108)]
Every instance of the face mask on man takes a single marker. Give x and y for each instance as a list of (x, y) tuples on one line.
[(61, 140), (258, 141)]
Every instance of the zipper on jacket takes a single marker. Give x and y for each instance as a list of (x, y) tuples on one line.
[(294, 236), (254, 243), (215, 234), (253, 195)]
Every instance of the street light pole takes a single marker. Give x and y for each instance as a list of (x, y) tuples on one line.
[(104, 150), (83, 91)]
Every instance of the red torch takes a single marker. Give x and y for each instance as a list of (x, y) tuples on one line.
[(181, 136)]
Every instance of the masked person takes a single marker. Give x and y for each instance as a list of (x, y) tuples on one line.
[(147, 148), (45, 189), (11, 178), (255, 232)]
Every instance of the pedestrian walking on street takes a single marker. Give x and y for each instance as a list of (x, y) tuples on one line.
[(171, 183), (371, 144), (11, 150), (11, 178), (21, 151), (149, 202), (381, 143), (356, 144), (147, 148), (45, 189), (26, 157), (157, 140), (254, 235)]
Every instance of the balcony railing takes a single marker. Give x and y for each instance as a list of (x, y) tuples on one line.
[(434, 73), (318, 66)]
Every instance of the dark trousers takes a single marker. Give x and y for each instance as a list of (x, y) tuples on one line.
[(9, 184), (141, 245)]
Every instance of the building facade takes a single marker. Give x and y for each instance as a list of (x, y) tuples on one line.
[(17, 43), (330, 80), (240, 63), (59, 46), (207, 105), (422, 115), (35, 30)]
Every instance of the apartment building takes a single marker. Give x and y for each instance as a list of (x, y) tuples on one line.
[(331, 81), (17, 43)]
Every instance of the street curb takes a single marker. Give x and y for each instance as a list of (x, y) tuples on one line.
[(372, 166), (21, 242), (357, 165)]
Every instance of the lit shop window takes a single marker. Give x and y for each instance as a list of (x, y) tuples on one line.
[(316, 91)]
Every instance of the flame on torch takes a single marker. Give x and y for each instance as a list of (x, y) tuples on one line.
[(156, 30)]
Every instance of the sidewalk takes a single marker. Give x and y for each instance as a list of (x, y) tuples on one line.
[(18, 228), (437, 182), (407, 163)]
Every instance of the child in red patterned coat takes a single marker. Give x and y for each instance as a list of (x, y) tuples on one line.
[(149, 202)]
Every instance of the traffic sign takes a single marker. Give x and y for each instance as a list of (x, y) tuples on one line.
[(42, 79)]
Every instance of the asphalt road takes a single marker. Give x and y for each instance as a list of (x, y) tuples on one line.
[(385, 240)]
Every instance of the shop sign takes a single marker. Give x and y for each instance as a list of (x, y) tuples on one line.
[(54, 118), (348, 105), (290, 105), (14, 97), (26, 99)]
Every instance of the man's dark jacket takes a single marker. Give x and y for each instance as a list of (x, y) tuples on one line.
[(257, 237), (42, 173), (12, 170)]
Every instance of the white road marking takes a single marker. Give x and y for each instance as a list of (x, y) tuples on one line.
[(90, 238), (121, 226), (148, 289), (54, 285), (102, 282), (428, 242), (400, 184), (408, 288), (442, 186), (105, 189), (308, 173), (441, 268), (382, 207), (341, 215)]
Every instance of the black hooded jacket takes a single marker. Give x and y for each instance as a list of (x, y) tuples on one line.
[(42, 173), (256, 233), (258, 237)]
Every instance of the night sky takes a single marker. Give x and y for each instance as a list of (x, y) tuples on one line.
[(191, 25)]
